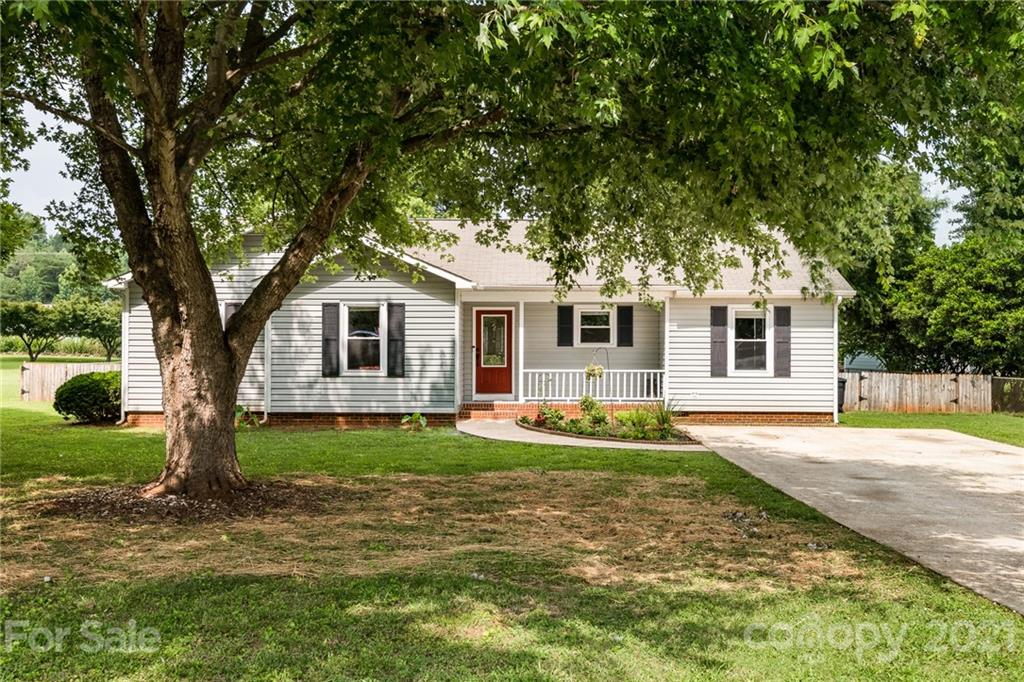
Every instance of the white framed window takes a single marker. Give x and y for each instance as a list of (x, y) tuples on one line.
[(751, 341), (364, 343), (595, 326), (493, 338)]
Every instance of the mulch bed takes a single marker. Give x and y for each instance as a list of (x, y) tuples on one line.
[(681, 438), (125, 504)]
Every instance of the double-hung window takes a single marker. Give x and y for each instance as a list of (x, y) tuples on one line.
[(365, 349), (750, 340), (595, 326)]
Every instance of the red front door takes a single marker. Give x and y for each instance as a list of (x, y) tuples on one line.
[(493, 351)]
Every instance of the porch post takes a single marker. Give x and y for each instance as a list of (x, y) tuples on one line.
[(520, 390), (458, 351), (664, 349)]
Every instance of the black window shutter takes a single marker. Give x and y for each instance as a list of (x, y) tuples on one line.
[(229, 310), (329, 340), (396, 339), (565, 325), (783, 346), (624, 325), (719, 341)]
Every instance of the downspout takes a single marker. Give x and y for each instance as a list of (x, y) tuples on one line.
[(125, 307), (835, 359), (266, 373)]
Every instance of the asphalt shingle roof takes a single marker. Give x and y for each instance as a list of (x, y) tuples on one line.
[(492, 267)]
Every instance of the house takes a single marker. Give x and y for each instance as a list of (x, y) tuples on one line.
[(478, 334)]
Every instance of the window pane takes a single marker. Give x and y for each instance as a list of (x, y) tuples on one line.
[(751, 354), (363, 353), (750, 327), (595, 319), (364, 323), (595, 335), (493, 341)]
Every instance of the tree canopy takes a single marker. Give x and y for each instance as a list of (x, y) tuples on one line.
[(642, 131), (37, 325)]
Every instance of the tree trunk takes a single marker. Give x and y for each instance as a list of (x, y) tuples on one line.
[(200, 390)]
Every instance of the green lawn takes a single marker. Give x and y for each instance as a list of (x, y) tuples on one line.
[(438, 556), (1002, 427)]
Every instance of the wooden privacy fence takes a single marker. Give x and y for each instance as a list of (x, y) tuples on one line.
[(40, 380), (896, 392)]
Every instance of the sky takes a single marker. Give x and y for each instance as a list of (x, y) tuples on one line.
[(42, 183)]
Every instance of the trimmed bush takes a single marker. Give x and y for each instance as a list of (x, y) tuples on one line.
[(92, 397)]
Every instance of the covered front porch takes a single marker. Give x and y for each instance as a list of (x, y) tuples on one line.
[(532, 350)]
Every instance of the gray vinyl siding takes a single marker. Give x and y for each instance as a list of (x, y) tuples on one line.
[(809, 388), (296, 381), (429, 384), (144, 388), (543, 351)]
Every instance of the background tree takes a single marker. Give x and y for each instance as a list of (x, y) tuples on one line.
[(889, 225), (16, 229), (636, 132), (33, 272), (35, 324), (962, 308), (99, 320)]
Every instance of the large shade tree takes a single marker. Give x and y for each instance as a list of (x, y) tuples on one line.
[(649, 132)]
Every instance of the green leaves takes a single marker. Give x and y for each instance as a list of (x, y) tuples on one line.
[(647, 134)]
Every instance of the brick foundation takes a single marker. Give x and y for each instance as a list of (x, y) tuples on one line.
[(503, 410), (147, 419), (758, 418), (317, 420), (498, 410)]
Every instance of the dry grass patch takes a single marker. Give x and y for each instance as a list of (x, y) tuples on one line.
[(604, 528)]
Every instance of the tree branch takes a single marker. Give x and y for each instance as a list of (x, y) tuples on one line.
[(276, 58), (72, 118), (337, 195), (223, 84), (441, 137), (125, 188)]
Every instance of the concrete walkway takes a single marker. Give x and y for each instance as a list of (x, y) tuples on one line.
[(506, 429), (952, 502)]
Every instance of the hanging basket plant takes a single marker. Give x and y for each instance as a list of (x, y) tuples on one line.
[(593, 371)]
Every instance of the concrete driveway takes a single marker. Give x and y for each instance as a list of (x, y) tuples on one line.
[(952, 502)]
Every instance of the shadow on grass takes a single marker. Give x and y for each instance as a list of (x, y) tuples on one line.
[(506, 617), (38, 445)]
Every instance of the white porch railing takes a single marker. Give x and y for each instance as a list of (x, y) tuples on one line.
[(615, 385)]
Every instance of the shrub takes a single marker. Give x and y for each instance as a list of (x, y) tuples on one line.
[(525, 420), (664, 419), (66, 346), (92, 397), (415, 421), (592, 408), (244, 418), (636, 424), (550, 416)]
